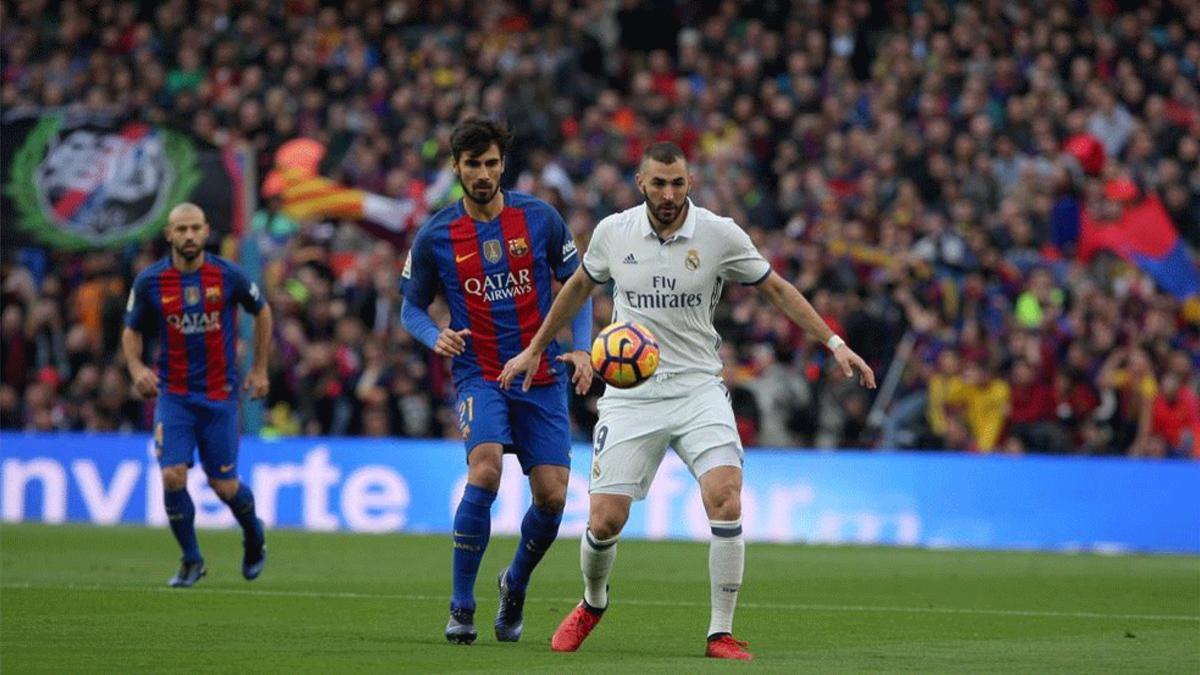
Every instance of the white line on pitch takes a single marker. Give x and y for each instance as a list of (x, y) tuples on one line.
[(630, 601)]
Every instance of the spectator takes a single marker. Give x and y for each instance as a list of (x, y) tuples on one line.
[(908, 174)]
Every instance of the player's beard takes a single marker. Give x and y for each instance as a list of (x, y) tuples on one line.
[(667, 217), (471, 194), (188, 255)]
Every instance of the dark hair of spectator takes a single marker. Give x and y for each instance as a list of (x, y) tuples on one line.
[(475, 135)]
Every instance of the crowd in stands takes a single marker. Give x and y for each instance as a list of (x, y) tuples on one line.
[(901, 162)]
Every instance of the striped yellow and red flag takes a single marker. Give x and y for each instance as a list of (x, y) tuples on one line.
[(306, 195)]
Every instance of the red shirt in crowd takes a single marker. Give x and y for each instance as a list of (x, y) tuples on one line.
[(1171, 418)]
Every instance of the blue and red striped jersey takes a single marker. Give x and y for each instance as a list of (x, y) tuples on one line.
[(196, 316), (496, 277)]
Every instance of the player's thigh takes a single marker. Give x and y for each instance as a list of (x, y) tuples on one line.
[(482, 415), (628, 445), (541, 426), (218, 438), (175, 422), (707, 435)]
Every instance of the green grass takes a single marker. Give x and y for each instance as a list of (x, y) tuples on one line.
[(81, 599)]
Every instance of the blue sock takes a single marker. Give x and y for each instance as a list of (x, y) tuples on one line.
[(242, 506), (538, 531), (181, 513), (472, 529)]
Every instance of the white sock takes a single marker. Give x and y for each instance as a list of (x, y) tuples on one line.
[(726, 560), (596, 558)]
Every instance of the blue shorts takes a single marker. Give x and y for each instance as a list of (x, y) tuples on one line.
[(532, 424), (185, 423)]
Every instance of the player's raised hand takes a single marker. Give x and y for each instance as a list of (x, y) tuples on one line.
[(850, 362), (451, 342), (145, 381), (582, 362), (525, 362), (257, 383)]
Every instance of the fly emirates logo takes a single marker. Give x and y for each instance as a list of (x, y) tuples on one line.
[(196, 322), (500, 286)]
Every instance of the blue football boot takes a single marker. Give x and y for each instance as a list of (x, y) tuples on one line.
[(254, 555), (189, 573), (460, 629), (510, 618)]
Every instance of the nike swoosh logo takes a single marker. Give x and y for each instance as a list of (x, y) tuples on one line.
[(226, 468), (460, 534), (460, 258), (169, 298)]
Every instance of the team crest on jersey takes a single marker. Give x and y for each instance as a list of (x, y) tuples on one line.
[(491, 250), (693, 260), (158, 439), (212, 294), (191, 295), (517, 247)]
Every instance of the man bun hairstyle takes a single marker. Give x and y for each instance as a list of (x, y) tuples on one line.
[(475, 135)]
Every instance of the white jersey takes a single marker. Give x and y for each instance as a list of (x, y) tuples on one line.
[(672, 288)]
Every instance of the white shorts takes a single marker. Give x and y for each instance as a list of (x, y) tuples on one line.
[(632, 436)]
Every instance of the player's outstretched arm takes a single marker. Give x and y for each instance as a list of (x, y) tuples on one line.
[(791, 302), (257, 382), (566, 305), (145, 380)]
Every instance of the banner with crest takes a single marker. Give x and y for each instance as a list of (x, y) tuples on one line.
[(86, 182)]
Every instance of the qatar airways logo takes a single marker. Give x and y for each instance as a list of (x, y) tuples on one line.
[(196, 322), (500, 286)]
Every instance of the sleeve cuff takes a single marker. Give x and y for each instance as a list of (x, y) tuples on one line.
[(759, 280), (592, 276)]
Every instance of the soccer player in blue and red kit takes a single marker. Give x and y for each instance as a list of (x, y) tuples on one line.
[(190, 299), (494, 255)]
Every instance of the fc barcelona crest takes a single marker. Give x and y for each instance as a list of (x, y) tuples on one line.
[(492, 251), (212, 294), (191, 295), (517, 247)]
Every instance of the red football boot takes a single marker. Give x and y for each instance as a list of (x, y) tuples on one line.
[(575, 628), (728, 647)]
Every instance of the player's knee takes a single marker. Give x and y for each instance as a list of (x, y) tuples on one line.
[(549, 487), (604, 528), (485, 476), (606, 524), (550, 501), (226, 489), (725, 502), (174, 478)]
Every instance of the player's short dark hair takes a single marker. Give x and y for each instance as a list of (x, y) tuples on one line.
[(664, 152), (475, 135)]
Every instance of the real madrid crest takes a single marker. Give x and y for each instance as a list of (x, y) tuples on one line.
[(693, 260), (492, 250), (517, 247), (191, 295)]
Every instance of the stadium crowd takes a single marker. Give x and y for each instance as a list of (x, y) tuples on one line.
[(901, 162)]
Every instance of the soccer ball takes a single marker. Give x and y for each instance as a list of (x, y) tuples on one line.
[(625, 354)]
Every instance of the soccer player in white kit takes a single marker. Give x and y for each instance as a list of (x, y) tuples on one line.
[(668, 260)]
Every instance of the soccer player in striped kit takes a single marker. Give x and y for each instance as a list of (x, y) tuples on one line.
[(190, 298), (494, 255)]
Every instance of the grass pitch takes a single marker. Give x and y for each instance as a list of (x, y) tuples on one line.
[(84, 599)]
